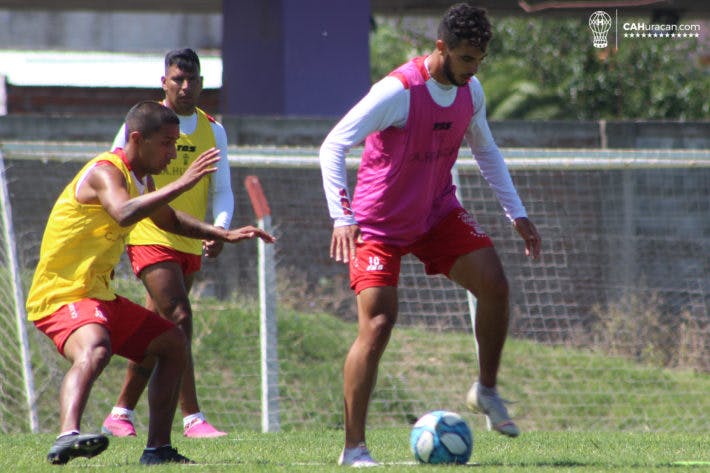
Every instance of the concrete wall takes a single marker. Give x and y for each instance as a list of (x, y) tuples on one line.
[(299, 131), (85, 101), (109, 31)]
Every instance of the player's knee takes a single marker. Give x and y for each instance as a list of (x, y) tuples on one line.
[(96, 357), (172, 344), (178, 311), (178, 339), (380, 328)]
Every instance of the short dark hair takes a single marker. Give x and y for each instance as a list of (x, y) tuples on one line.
[(464, 22), (185, 59), (148, 117)]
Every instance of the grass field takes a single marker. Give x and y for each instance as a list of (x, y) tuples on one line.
[(584, 390), (630, 424), (317, 451)]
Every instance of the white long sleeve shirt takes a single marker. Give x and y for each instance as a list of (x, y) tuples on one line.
[(387, 104)]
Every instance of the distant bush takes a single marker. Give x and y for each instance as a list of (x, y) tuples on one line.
[(638, 328)]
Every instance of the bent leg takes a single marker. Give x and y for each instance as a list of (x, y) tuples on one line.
[(168, 295), (88, 349), (169, 350), (168, 292), (135, 382), (481, 272), (377, 314)]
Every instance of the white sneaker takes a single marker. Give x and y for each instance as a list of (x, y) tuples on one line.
[(358, 457), (487, 401)]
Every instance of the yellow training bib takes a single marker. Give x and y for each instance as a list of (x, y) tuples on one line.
[(81, 245), (193, 202)]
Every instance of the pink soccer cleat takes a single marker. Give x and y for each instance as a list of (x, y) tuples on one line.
[(200, 428), (118, 425)]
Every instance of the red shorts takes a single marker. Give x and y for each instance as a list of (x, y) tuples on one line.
[(131, 326), (142, 256), (377, 264)]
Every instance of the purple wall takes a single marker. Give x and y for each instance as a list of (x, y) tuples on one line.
[(294, 57)]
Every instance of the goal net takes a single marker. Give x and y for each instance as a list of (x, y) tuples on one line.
[(610, 329)]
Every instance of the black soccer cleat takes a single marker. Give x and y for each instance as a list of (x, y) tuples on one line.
[(76, 445), (160, 455)]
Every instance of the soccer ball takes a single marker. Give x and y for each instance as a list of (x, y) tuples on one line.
[(441, 437)]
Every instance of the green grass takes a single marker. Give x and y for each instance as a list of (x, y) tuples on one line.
[(317, 451), (636, 417), (582, 390)]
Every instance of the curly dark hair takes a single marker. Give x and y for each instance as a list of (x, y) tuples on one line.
[(462, 22)]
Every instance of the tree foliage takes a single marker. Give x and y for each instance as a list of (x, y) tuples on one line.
[(392, 43), (547, 68)]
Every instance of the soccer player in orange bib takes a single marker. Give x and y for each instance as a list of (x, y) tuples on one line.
[(166, 262), (71, 299)]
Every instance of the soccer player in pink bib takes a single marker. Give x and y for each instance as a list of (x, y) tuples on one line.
[(413, 123)]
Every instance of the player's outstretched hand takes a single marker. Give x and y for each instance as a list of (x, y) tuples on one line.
[(342, 244), (528, 232), (200, 167), (247, 233), (212, 248)]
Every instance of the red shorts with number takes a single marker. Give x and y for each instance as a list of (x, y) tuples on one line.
[(131, 326), (142, 256), (378, 264)]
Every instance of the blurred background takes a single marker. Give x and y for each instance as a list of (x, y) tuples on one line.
[(609, 147)]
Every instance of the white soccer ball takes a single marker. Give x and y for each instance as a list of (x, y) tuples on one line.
[(441, 437)]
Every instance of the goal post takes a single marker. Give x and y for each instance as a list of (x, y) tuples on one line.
[(267, 310), (470, 298), (18, 301)]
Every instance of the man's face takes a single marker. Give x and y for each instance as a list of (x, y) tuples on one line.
[(462, 62), (158, 150), (182, 89)]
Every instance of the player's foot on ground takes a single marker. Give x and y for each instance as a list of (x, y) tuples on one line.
[(76, 445), (200, 428), (161, 455), (487, 401), (358, 457), (118, 425)]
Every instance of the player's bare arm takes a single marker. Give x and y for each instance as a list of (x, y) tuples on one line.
[(529, 234), (342, 244), (247, 233), (181, 223), (106, 185)]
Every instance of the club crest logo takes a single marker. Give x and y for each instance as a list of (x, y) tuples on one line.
[(600, 24)]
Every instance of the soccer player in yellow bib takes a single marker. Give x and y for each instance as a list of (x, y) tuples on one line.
[(71, 299), (166, 262)]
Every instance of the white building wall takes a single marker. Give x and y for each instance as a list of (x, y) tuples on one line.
[(111, 31)]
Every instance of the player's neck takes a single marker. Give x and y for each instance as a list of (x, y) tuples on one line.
[(435, 65), (131, 160)]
